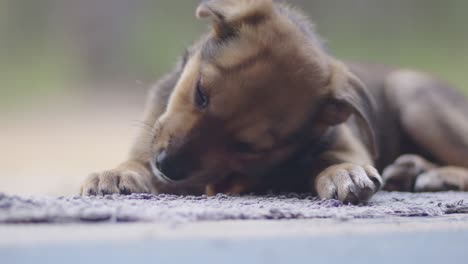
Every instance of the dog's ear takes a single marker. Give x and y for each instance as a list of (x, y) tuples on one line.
[(349, 96), (227, 15)]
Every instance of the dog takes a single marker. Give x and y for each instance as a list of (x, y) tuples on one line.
[(258, 104)]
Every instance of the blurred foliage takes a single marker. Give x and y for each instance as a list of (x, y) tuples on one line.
[(52, 46)]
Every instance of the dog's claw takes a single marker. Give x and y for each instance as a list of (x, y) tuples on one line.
[(114, 182), (348, 183)]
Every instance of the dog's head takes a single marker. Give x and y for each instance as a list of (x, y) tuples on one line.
[(253, 92)]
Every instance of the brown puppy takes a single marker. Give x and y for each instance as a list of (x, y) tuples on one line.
[(257, 104)]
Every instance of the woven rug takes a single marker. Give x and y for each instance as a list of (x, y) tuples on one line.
[(176, 209)]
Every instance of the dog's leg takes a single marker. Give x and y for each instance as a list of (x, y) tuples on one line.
[(348, 174), (134, 176), (402, 174), (443, 179), (435, 117)]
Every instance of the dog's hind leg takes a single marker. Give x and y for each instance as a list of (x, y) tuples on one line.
[(403, 173), (414, 173), (435, 117), (443, 179)]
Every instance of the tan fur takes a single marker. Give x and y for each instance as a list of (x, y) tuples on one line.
[(274, 102)]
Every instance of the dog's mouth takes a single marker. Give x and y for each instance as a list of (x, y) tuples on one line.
[(183, 187), (198, 186), (165, 179)]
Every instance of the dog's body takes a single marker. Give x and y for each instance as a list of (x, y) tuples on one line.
[(259, 105)]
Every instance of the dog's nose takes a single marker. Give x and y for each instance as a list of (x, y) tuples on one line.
[(169, 166)]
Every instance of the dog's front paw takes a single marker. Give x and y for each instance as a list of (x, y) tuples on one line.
[(115, 182), (348, 183)]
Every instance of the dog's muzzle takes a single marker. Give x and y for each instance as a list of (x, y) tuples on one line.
[(168, 169)]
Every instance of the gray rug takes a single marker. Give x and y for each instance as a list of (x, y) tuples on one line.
[(175, 209)]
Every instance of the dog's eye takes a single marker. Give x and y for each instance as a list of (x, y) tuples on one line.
[(201, 99)]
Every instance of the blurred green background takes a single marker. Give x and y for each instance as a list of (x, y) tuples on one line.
[(51, 47)]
